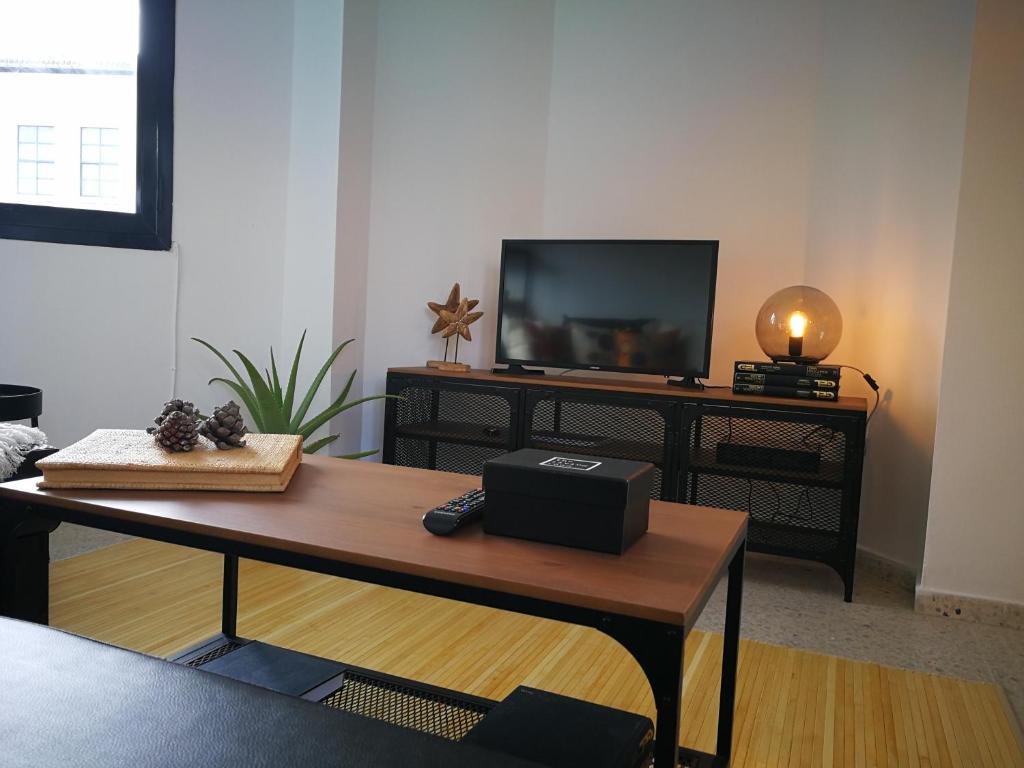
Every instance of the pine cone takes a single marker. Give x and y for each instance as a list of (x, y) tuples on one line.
[(225, 427), (184, 406), (177, 432)]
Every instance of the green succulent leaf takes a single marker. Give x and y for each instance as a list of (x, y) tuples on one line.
[(361, 455), (270, 405), (223, 359), (308, 399), (316, 422), (272, 419), (289, 395), (274, 380), (318, 444)]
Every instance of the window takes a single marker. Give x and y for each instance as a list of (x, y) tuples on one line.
[(86, 129), (99, 175), (35, 160)]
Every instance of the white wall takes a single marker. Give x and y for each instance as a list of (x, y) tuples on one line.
[(891, 101), (359, 58), (976, 515), (688, 120), (307, 279), (460, 106)]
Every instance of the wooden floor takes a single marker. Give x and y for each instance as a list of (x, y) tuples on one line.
[(794, 708)]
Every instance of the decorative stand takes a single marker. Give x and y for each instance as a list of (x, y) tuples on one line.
[(453, 319)]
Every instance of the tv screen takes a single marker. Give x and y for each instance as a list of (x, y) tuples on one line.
[(642, 306)]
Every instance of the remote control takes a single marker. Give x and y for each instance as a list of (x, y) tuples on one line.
[(456, 514)]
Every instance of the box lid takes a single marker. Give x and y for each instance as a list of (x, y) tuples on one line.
[(566, 476)]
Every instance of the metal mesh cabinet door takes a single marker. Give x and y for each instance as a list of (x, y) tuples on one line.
[(598, 423), (447, 425), (796, 474)]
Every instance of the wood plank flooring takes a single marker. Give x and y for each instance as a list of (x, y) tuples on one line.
[(794, 708)]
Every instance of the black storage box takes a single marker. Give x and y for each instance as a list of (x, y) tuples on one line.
[(587, 502), (560, 732)]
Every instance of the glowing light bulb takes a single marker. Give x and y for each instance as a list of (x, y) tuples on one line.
[(797, 325)]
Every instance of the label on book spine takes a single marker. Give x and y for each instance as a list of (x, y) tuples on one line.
[(780, 380), (789, 369), (741, 388)]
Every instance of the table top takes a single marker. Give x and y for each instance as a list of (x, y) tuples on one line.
[(844, 405), (370, 514)]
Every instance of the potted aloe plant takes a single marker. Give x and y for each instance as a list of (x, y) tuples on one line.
[(272, 406)]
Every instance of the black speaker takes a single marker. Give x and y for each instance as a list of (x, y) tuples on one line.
[(589, 502)]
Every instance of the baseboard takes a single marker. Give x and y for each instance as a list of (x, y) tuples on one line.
[(890, 570), (969, 608)]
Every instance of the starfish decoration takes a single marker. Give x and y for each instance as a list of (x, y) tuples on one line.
[(451, 305), (458, 322)]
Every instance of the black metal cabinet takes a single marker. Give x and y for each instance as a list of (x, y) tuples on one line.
[(449, 426), (795, 467), (797, 474)]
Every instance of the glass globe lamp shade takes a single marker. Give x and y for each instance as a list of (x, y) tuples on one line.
[(799, 324)]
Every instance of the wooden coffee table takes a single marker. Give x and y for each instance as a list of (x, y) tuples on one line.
[(361, 521)]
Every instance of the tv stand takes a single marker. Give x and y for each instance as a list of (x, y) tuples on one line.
[(686, 382), (517, 370), (793, 465)]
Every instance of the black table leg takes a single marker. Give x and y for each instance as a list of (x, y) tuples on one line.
[(730, 656), (229, 596), (24, 564), (660, 655)]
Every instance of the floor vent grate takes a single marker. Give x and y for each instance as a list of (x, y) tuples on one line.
[(407, 706), (221, 650)]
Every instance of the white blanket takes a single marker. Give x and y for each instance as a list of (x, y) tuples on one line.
[(16, 440)]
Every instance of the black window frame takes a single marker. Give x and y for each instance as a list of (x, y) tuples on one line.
[(149, 228)]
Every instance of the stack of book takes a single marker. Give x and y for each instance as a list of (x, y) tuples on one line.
[(808, 382)]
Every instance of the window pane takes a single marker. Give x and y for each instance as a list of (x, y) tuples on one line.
[(78, 62), (74, 77)]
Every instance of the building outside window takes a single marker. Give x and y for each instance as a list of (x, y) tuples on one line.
[(86, 129), (99, 174), (36, 154)]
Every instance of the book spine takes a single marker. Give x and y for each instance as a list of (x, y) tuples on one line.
[(741, 388), (790, 369), (781, 380)]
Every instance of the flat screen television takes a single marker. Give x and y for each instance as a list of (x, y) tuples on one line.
[(637, 306)]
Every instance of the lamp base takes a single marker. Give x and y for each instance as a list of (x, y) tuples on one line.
[(793, 359)]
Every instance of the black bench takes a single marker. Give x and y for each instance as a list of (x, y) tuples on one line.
[(67, 700)]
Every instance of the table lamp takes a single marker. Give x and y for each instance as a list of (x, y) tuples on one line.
[(799, 324)]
